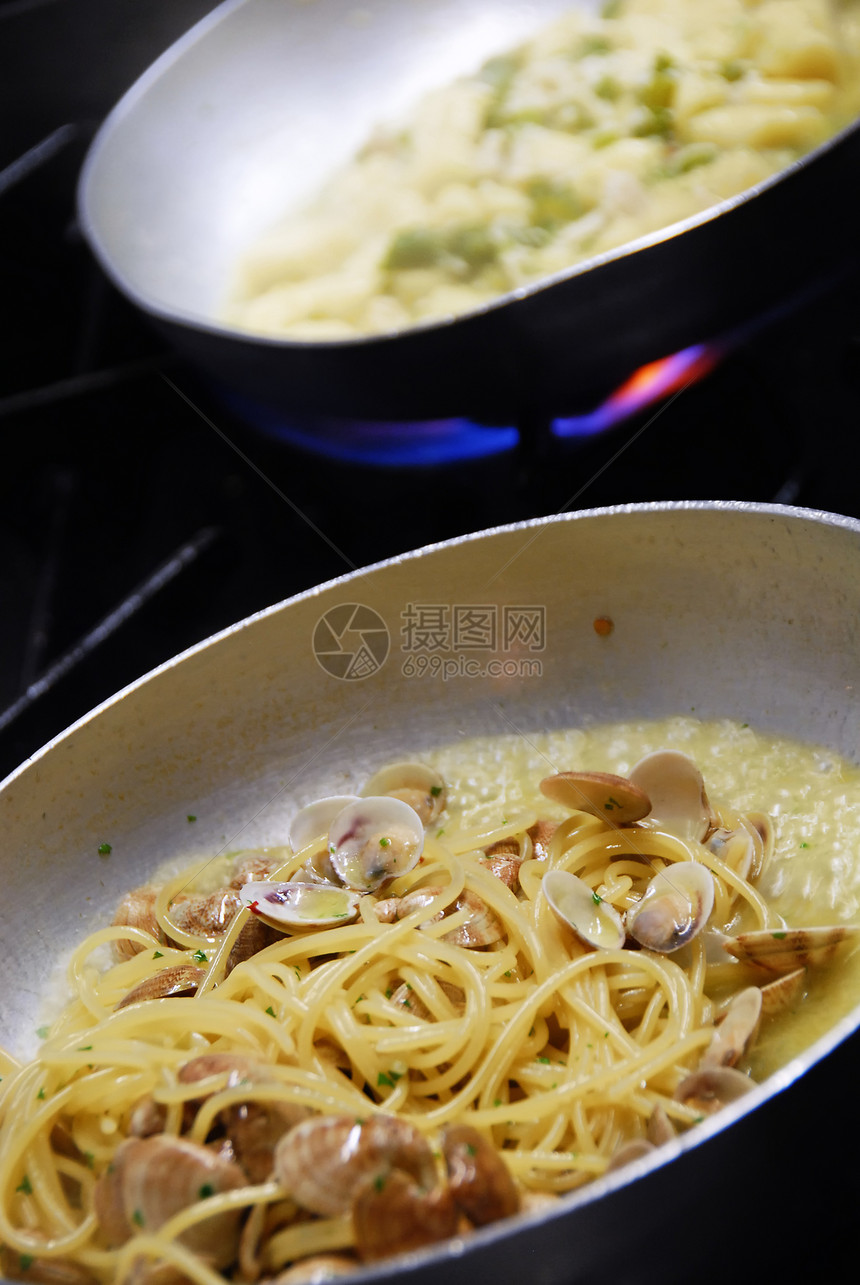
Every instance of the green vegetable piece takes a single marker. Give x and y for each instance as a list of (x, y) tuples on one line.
[(593, 44), (500, 71), (412, 248), (732, 69), (476, 245), (553, 204), (657, 121), (608, 88), (660, 90)]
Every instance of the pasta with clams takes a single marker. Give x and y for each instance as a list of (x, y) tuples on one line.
[(409, 1020)]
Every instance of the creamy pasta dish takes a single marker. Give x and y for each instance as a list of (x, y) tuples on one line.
[(471, 987), (598, 131)]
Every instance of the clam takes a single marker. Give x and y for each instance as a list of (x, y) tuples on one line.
[(763, 826), (737, 1029), (300, 905), (783, 950), (312, 822), (181, 979), (414, 783), (480, 1181), (782, 992), (594, 921), (674, 907), (480, 928), (735, 848), (541, 836), (713, 1087), (676, 789), (600, 794), (373, 840), (660, 1127)]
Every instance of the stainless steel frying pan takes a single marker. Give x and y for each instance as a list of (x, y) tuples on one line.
[(239, 120), (744, 611)]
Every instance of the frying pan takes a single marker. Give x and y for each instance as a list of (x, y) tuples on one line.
[(742, 611), (241, 118)]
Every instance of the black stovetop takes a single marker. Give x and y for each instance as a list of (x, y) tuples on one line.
[(139, 514)]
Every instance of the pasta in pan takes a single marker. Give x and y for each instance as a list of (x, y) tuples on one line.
[(422, 1014), (598, 131)]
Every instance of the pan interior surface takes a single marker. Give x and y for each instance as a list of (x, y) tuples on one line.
[(730, 611)]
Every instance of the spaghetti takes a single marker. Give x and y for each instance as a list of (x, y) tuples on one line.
[(156, 1128)]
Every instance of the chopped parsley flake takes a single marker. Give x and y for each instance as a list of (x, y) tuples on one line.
[(26, 1261), (597, 900), (471, 1150), (779, 936), (379, 1182), (191, 817), (105, 849), (42, 1032), (384, 843), (158, 954), (41, 1094), (25, 1186), (545, 1060), (206, 1191), (137, 1218), (200, 956), (435, 790), (270, 1011)]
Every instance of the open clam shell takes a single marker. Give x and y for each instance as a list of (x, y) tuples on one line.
[(674, 908), (601, 794), (312, 822), (594, 921), (300, 905), (417, 784), (373, 840), (676, 789), (735, 848)]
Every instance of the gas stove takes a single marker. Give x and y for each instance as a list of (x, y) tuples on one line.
[(144, 508)]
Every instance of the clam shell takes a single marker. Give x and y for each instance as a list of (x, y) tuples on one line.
[(780, 994), (676, 789), (778, 950), (373, 840), (737, 1029), (417, 784), (601, 794), (312, 822), (181, 979), (300, 905), (595, 922), (714, 1087), (675, 907), (735, 848)]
